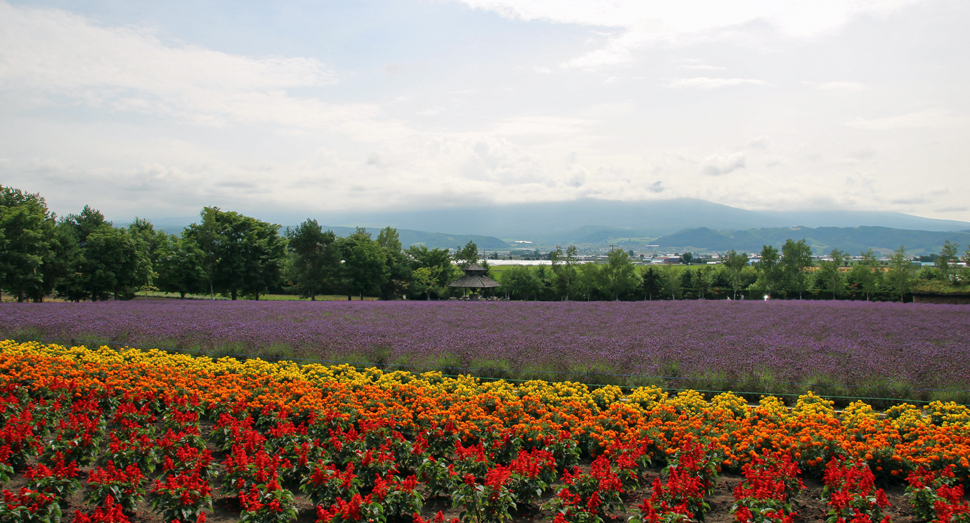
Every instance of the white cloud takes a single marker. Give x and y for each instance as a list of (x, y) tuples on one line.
[(721, 164), (931, 118), (702, 67), (705, 82), (844, 87), (759, 142), (536, 125), (58, 57), (686, 21), (120, 118), (794, 18)]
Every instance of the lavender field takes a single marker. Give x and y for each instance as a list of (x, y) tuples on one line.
[(883, 350)]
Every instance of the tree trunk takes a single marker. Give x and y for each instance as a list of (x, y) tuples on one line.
[(233, 294)]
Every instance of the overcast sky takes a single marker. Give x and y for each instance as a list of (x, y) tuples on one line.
[(157, 109)]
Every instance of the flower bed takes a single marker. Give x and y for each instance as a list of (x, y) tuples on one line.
[(878, 350), (369, 445)]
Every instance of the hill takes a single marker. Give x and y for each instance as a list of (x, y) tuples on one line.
[(569, 222), (822, 239)]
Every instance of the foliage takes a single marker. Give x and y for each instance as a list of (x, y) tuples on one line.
[(243, 255), (796, 257), (521, 282), (735, 263), (850, 492), (29, 506), (316, 258), (399, 270), (867, 275), (364, 266), (671, 282), (765, 496), (937, 496), (769, 270), (651, 281), (900, 274), (467, 255), (620, 276), (436, 274), (829, 275), (28, 244), (180, 267), (563, 270)]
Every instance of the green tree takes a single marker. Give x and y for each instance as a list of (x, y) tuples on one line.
[(587, 282), (866, 274), (563, 270), (702, 281), (207, 237), (399, 270), (181, 267), (107, 261), (620, 275), (315, 257), (27, 244), (900, 274), (521, 282), (438, 265), (735, 263), (467, 255), (115, 263), (151, 241), (670, 282), (70, 258), (243, 255), (687, 257), (424, 280), (796, 257), (946, 261), (364, 268), (769, 269), (965, 274), (650, 282), (686, 282), (830, 274), (86, 222)]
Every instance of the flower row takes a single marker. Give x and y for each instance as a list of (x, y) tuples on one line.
[(360, 442)]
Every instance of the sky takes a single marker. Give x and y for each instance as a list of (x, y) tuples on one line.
[(283, 110)]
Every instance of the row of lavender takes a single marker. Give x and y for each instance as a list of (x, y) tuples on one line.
[(915, 351)]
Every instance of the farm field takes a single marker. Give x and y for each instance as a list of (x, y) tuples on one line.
[(127, 435), (880, 351)]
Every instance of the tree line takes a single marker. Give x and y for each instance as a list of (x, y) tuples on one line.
[(791, 273), (85, 257)]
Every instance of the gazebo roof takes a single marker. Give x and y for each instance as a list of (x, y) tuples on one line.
[(475, 278), (475, 282)]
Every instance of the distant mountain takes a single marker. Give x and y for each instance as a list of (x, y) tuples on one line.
[(593, 222), (431, 240), (569, 222), (822, 239)]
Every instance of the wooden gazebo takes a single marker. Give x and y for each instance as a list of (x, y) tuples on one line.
[(474, 278)]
